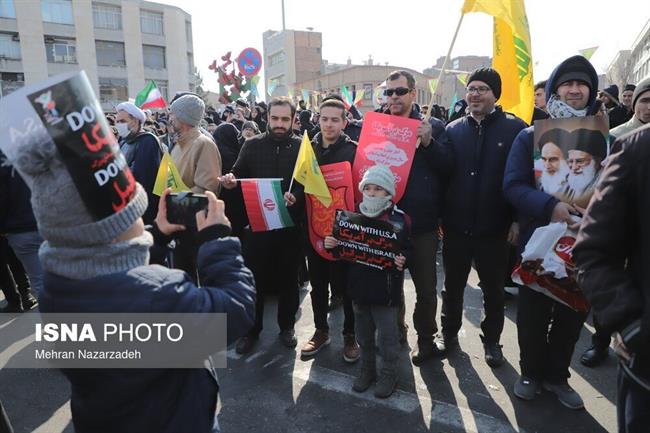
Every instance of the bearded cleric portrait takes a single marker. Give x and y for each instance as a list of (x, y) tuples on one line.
[(569, 154)]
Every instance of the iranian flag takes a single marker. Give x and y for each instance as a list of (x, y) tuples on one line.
[(265, 204), (150, 97)]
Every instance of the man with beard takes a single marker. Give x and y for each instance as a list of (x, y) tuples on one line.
[(555, 168), (547, 329), (422, 201), (478, 222), (141, 150), (273, 256), (589, 149)]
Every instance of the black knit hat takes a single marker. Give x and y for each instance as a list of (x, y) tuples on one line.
[(589, 140), (629, 87), (612, 92), (576, 68), (641, 88), (490, 77)]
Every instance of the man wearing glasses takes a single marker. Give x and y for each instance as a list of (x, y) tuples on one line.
[(477, 220), (422, 201)]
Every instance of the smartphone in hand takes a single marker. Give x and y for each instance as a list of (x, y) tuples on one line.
[(183, 206)]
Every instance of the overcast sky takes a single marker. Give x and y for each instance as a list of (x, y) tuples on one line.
[(413, 33)]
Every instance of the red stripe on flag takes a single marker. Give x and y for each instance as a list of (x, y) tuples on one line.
[(156, 103), (253, 208)]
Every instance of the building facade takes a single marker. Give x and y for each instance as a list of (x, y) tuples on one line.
[(121, 44), (619, 70), (290, 57), (640, 56), (366, 77), (451, 87)]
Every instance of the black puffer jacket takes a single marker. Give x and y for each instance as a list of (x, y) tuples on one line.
[(613, 247)]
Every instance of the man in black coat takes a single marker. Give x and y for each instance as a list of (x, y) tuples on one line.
[(331, 146), (612, 252), (617, 112), (142, 152), (422, 201), (273, 256), (478, 222)]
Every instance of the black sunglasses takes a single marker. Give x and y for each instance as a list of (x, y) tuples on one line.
[(401, 91)]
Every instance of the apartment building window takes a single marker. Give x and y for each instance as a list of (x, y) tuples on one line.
[(107, 16), (60, 50), (190, 63), (151, 22), (57, 11), (10, 82), (113, 90), (110, 53), (276, 58), (9, 47), (7, 9), (153, 57), (188, 31), (367, 91)]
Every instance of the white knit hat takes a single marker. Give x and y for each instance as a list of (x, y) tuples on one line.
[(379, 175)]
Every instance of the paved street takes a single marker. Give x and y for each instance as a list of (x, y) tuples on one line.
[(273, 390)]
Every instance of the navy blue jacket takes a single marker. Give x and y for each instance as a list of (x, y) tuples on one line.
[(371, 286), (144, 160), (534, 207), (475, 204), (16, 214), (423, 198), (154, 400)]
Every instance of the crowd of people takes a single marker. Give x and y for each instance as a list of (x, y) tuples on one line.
[(471, 187)]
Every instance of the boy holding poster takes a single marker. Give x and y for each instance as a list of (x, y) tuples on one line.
[(377, 293)]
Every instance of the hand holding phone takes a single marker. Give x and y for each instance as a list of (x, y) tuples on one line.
[(162, 222), (183, 206), (214, 215)]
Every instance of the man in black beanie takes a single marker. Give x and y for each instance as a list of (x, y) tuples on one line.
[(477, 220), (547, 329), (618, 114)]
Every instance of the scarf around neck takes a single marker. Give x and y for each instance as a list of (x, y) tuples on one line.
[(558, 109)]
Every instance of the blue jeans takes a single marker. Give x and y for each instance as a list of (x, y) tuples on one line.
[(26, 246)]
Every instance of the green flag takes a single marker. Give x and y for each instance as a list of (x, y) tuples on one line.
[(433, 84), (347, 97), (453, 102), (463, 79), (588, 52)]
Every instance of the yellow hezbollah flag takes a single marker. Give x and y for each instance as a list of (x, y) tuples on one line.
[(168, 177), (308, 173), (512, 53)]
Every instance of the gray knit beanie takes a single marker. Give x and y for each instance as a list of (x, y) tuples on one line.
[(641, 88), (188, 109), (77, 245), (379, 175)]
